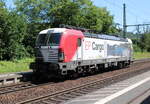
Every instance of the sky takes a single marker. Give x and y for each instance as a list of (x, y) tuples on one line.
[(137, 11)]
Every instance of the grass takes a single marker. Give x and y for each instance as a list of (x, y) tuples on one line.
[(15, 66), (140, 55)]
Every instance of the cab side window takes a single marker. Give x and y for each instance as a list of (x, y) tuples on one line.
[(79, 42)]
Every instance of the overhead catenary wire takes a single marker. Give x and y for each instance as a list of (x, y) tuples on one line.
[(130, 8)]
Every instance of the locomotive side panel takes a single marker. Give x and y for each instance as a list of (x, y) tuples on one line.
[(116, 49), (94, 49), (69, 44)]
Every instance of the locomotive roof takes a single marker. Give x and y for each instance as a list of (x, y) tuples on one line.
[(86, 34), (54, 30), (105, 36)]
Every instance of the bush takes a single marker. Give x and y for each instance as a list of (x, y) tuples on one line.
[(12, 31), (136, 48)]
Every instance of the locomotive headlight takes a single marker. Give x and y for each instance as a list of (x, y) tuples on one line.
[(60, 55)]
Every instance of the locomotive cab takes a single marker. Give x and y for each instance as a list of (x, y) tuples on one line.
[(48, 52), (57, 50), (47, 47)]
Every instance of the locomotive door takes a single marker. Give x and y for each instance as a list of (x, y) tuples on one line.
[(79, 49)]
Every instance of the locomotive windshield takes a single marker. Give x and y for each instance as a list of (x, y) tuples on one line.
[(54, 39), (41, 40), (48, 39)]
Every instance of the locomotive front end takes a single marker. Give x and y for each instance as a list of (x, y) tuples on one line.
[(48, 52)]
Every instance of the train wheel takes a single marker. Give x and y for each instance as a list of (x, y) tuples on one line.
[(92, 71), (75, 75), (120, 65)]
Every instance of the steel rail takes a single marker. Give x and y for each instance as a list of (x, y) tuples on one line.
[(53, 97)]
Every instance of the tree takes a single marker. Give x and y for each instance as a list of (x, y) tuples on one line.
[(145, 42), (42, 14), (3, 13), (51, 13), (12, 32)]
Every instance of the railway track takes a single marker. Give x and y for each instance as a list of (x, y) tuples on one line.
[(67, 94), (16, 87), (20, 86), (73, 92), (141, 60)]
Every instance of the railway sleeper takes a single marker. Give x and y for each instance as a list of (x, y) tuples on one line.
[(62, 97), (68, 95), (48, 101), (74, 95), (56, 99)]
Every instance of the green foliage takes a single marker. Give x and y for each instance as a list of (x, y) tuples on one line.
[(141, 44), (146, 41), (136, 48), (12, 32), (19, 27), (42, 14)]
